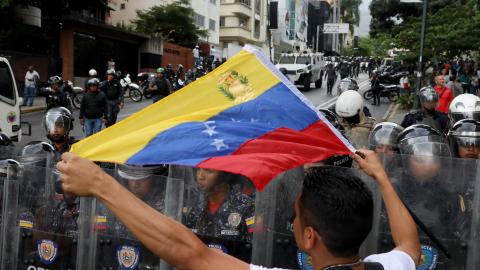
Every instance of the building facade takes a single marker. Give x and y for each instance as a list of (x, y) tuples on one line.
[(319, 12), (243, 22)]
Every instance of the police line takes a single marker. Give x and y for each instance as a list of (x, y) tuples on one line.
[(42, 228)]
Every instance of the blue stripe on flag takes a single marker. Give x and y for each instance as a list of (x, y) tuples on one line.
[(191, 143)]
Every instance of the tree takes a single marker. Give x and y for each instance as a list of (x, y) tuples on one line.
[(350, 12), (173, 22)]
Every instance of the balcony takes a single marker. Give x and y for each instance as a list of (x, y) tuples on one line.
[(236, 33), (236, 7)]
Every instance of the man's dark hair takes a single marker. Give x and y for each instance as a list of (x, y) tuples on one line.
[(339, 206)]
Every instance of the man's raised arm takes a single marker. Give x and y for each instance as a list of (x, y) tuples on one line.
[(165, 237)]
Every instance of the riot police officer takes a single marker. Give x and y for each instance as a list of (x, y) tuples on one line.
[(161, 86), (383, 138), (427, 114), (464, 106), (464, 139), (357, 126), (92, 74), (114, 92), (58, 122), (221, 213), (58, 94)]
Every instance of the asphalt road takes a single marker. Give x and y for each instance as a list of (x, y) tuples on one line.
[(318, 97)]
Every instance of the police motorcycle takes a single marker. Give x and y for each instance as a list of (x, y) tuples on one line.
[(77, 95), (144, 80), (347, 84), (391, 92), (133, 89)]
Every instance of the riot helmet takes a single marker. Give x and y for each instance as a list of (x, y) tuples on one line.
[(5, 164), (92, 73), (93, 82), (464, 106), (464, 139), (428, 98), (160, 70), (58, 122), (139, 179), (383, 137), (169, 66), (55, 80), (110, 71), (349, 106), (417, 133), (35, 153)]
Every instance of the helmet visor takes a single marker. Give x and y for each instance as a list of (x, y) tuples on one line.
[(405, 145), (57, 124), (427, 150), (457, 116), (384, 135)]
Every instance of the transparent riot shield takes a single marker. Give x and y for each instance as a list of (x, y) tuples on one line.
[(40, 223), (114, 246), (219, 208), (440, 193)]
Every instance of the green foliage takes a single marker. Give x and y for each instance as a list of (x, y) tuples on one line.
[(173, 22), (350, 12), (226, 92), (405, 100)]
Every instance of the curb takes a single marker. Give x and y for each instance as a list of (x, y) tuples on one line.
[(392, 111)]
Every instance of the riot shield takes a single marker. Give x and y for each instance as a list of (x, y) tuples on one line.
[(114, 246), (219, 208), (439, 191), (41, 222)]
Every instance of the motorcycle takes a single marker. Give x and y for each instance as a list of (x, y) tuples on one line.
[(390, 78), (347, 84), (386, 91), (133, 89), (76, 94), (144, 79)]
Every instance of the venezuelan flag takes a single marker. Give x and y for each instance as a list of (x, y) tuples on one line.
[(244, 117)]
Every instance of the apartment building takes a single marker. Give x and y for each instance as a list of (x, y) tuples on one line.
[(243, 22)]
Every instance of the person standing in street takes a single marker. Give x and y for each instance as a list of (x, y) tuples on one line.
[(93, 108), (160, 87), (455, 86), (114, 93), (31, 81), (445, 94), (375, 85), (331, 76)]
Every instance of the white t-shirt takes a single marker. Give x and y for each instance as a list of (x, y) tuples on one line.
[(30, 78), (393, 260)]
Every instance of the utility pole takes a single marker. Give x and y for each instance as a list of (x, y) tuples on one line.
[(420, 57), (318, 38), (334, 37)]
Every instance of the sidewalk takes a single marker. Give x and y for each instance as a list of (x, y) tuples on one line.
[(38, 105)]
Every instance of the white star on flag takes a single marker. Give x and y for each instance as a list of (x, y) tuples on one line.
[(218, 143), (253, 120), (235, 120), (210, 130)]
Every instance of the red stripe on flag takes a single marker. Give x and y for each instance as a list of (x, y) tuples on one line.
[(265, 157)]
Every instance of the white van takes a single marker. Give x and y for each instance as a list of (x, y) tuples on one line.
[(10, 118)]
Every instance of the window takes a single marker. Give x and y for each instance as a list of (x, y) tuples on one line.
[(211, 25), (199, 19), (122, 6), (222, 21), (243, 22), (7, 93), (213, 2), (258, 4)]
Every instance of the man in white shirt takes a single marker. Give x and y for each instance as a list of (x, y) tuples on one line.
[(333, 217), (31, 80), (196, 56)]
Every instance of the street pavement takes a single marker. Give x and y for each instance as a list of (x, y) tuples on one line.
[(318, 97)]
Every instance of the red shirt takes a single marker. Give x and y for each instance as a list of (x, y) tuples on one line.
[(446, 97)]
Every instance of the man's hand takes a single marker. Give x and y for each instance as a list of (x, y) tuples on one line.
[(368, 162), (79, 176), (82, 121)]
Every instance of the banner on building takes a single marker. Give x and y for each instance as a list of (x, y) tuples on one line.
[(336, 28)]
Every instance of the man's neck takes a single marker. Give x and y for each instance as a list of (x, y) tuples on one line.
[(325, 260), (59, 145)]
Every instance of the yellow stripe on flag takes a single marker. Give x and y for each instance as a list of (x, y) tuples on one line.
[(196, 102)]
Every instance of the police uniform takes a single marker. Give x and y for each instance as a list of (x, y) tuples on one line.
[(228, 222), (437, 120), (114, 93), (358, 133)]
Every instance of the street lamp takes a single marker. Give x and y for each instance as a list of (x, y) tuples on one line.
[(422, 41)]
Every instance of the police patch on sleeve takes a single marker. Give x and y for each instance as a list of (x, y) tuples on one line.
[(219, 247), (304, 261), (128, 257), (47, 251), (429, 258), (234, 219)]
